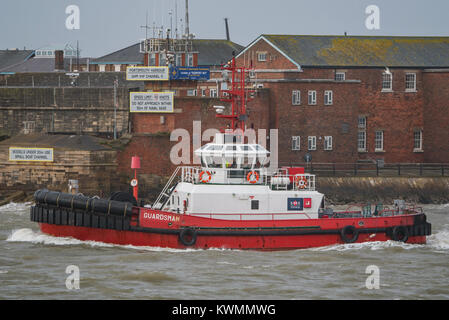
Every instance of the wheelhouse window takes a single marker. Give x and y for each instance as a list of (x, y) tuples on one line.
[(417, 140), (410, 82), (328, 97), (312, 97), (296, 143), (379, 141), (387, 82), (296, 97), (312, 142)]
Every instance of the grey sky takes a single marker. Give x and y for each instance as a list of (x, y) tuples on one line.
[(109, 25)]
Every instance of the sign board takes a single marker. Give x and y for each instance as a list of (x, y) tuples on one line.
[(30, 154), (189, 73), (295, 204), (147, 73), (156, 102)]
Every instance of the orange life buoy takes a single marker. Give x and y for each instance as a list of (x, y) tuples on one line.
[(301, 182), (252, 174), (206, 180)]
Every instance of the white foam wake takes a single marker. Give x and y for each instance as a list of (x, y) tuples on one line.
[(15, 207), (28, 235)]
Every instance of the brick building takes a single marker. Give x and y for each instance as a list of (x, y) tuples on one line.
[(354, 98)]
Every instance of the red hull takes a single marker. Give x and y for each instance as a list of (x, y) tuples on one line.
[(258, 242)]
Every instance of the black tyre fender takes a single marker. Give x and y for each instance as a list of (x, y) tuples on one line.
[(400, 233), (187, 236), (123, 197), (349, 234)]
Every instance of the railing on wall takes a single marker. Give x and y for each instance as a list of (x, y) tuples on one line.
[(374, 169)]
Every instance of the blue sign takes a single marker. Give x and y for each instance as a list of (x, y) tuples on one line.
[(189, 73), (295, 204)]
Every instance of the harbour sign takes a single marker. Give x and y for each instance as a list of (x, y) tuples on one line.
[(189, 73)]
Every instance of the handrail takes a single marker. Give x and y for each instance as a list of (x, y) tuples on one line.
[(158, 200)]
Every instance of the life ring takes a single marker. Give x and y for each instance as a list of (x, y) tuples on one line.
[(250, 175), (206, 180), (349, 234), (301, 182), (187, 236), (400, 233)]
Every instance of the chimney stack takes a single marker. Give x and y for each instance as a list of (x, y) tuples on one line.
[(227, 29), (187, 19), (59, 60)]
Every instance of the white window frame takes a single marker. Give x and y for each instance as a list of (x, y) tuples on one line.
[(311, 143), (386, 81), (117, 67), (361, 141), (328, 142), (296, 143), (178, 60), (378, 140), (191, 92), (312, 97), (328, 97), (340, 76), (189, 60), (102, 67), (262, 56), (410, 85), (296, 97), (213, 93), (361, 122), (417, 146)]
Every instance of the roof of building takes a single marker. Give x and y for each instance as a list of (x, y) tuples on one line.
[(42, 65), (60, 141), (211, 52), (10, 58), (362, 51)]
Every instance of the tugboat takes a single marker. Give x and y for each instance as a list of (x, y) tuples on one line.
[(232, 201)]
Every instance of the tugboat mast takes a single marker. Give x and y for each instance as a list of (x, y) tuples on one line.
[(237, 95)]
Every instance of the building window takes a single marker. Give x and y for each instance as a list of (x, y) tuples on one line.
[(162, 59), (178, 60), (379, 141), (203, 92), (213, 93), (152, 58), (261, 56), (361, 141), (328, 143), (312, 97), (116, 67), (340, 76), (312, 143), (296, 97), (362, 122), (410, 82), (102, 67), (387, 82), (328, 97), (296, 143), (191, 92), (189, 62), (417, 140)]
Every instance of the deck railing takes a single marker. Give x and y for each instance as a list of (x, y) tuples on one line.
[(278, 181)]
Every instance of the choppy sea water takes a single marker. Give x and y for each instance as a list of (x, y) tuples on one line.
[(33, 266)]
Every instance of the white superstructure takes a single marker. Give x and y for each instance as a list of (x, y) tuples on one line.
[(233, 183)]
